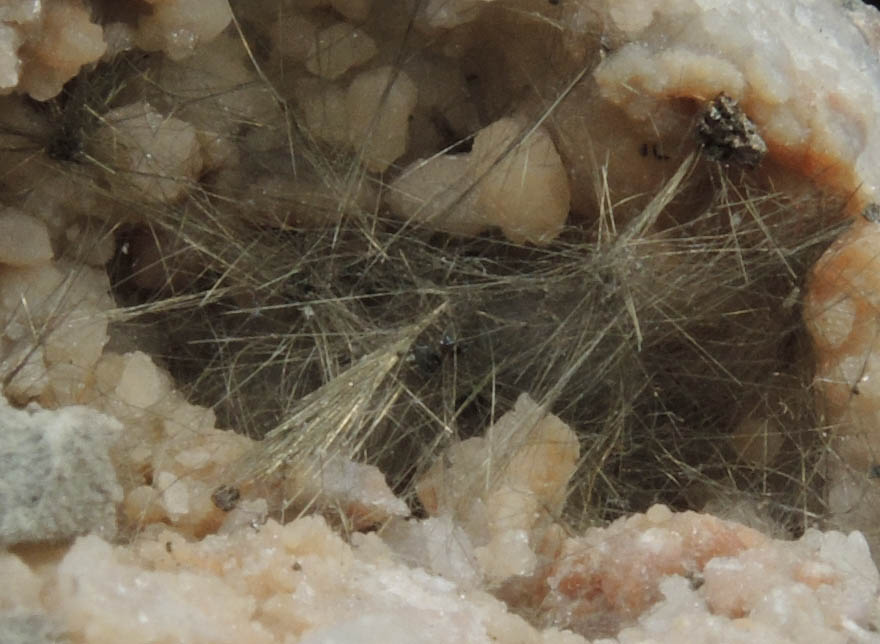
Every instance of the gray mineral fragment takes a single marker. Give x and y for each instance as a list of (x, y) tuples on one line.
[(56, 477), (728, 135), (28, 628)]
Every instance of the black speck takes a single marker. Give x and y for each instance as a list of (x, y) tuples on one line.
[(695, 580), (658, 153), (226, 497)]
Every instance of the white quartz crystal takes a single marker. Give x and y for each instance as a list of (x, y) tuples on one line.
[(379, 103), (337, 49), (24, 240), (178, 27), (513, 179), (270, 584), (801, 69), (154, 154)]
